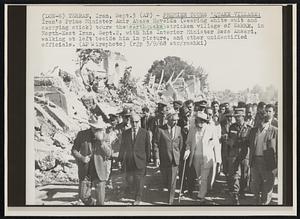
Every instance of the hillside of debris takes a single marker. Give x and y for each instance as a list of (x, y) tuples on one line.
[(61, 106)]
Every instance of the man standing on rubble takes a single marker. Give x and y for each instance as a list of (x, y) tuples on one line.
[(92, 151), (134, 154)]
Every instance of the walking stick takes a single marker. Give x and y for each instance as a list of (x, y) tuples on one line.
[(181, 180)]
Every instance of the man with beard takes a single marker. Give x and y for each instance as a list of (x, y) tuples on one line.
[(200, 152), (92, 151)]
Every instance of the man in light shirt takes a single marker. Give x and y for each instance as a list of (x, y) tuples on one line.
[(263, 160)]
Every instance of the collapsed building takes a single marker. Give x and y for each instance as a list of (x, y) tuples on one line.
[(64, 101)]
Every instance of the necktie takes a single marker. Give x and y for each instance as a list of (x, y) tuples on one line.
[(171, 132), (134, 135)]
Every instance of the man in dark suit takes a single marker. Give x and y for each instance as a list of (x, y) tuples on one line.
[(263, 160), (134, 154), (168, 145), (147, 122), (158, 121), (92, 151)]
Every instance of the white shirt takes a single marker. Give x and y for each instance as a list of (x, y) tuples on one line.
[(260, 140), (173, 131), (134, 133)]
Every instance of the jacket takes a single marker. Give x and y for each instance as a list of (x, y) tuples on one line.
[(138, 150), (167, 148), (85, 145), (270, 154), (208, 147)]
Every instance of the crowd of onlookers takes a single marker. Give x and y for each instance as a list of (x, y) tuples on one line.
[(196, 141)]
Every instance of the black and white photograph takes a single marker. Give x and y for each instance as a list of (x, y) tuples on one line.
[(154, 105)]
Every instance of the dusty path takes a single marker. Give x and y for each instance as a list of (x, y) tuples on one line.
[(62, 194)]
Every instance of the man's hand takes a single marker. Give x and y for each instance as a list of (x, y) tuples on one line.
[(157, 162), (86, 159), (186, 154), (275, 172)]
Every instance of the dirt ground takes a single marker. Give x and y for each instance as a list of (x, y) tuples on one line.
[(66, 194)]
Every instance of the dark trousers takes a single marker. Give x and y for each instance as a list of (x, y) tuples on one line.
[(190, 176), (238, 175), (135, 180), (224, 154), (262, 181), (169, 175)]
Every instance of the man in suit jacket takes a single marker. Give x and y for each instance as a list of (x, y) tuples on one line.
[(134, 154), (263, 160), (168, 144), (92, 151), (147, 122)]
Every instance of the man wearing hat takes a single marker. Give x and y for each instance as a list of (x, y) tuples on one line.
[(238, 165), (199, 149), (200, 105), (177, 104), (92, 151), (135, 153), (125, 124), (168, 144), (225, 124)]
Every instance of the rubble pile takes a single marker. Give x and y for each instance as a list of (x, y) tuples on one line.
[(63, 103), (60, 113)]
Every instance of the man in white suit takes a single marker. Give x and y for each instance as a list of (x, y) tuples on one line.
[(199, 147)]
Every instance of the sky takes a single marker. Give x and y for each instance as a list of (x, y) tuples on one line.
[(230, 64)]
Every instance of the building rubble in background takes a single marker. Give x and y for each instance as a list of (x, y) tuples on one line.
[(60, 113)]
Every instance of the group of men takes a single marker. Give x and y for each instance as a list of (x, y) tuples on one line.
[(190, 141)]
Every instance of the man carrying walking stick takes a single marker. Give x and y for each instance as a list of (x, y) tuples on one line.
[(199, 146)]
